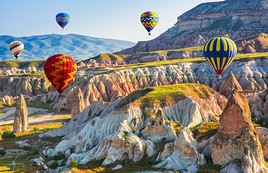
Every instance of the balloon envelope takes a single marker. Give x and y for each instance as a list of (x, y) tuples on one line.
[(62, 19), (60, 70), (16, 48), (219, 53), (149, 20)]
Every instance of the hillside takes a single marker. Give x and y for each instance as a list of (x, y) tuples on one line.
[(78, 46), (236, 18)]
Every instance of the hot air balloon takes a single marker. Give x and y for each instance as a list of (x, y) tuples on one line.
[(62, 19), (219, 53), (16, 48), (149, 20), (60, 70)]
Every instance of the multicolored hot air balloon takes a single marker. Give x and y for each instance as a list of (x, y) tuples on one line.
[(60, 70), (62, 19), (149, 20), (16, 48), (219, 53)]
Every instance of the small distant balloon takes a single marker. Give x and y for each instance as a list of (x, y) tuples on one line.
[(60, 70), (219, 53), (149, 20), (63, 19), (16, 48)]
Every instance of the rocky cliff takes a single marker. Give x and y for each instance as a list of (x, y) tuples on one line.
[(238, 19), (252, 75), (237, 139), (132, 128), (164, 123)]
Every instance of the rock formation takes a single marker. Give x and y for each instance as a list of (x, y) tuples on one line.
[(78, 103), (239, 19), (229, 86), (130, 128), (108, 87), (236, 138), (21, 116), (185, 156), (263, 135)]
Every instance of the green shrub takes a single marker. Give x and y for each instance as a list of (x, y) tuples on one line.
[(2, 152), (53, 165), (59, 156), (8, 135), (9, 64)]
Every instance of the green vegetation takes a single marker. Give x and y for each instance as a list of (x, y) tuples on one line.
[(176, 126), (33, 129), (205, 129), (209, 169), (23, 161), (38, 74), (53, 165), (2, 153), (166, 95), (21, 64), (11, 64), (7, 135)]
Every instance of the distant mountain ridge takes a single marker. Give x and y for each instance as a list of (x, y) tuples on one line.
[(77, 46), (235, 18)]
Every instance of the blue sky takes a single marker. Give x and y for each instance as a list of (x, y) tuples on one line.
[(118, 19)]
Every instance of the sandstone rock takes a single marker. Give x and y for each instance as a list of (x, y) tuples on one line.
[(157, 129), (168, 150), (231, 168), (78, 103), (250, 74), (185, 156), (263, 136), (229, 85), (21, 116), (236, 138), (210, 20)]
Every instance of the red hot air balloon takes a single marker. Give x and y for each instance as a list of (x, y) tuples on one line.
[(60, 70)]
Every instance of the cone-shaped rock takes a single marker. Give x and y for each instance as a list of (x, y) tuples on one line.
[(236, 138), (229, 85), (21, 116)]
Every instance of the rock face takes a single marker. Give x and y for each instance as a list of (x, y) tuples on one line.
[(185, 156), (130, 128), (21, 115), (263, 135), (74, 101), (108, 87), (239, 19), (253, 44), (236, 138), (229, 86)]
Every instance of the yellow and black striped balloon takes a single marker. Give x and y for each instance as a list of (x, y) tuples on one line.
[(219, 53)]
